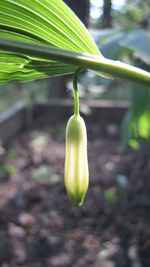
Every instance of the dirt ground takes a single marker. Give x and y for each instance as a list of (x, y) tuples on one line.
[(38, 225)]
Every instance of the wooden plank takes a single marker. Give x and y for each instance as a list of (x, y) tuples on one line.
[(11, 122), (100, 110), (53, 111)]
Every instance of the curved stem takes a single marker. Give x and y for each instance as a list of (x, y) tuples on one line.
[(100, 65), (76, 94)]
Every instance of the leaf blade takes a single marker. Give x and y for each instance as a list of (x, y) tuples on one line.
[(42, 22)]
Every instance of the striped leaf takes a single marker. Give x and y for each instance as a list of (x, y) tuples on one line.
[(48, 22)]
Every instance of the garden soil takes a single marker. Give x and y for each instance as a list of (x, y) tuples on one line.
[(39, 227)]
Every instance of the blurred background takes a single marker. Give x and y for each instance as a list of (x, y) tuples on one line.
[(38, 225)]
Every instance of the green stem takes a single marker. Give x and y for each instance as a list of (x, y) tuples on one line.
[(76, 94), (86, 61)]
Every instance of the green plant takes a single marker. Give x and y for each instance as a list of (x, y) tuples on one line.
[(134, 46), (44, 38)]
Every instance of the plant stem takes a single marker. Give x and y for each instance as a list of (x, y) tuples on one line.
[(100, 65), (76, 94)]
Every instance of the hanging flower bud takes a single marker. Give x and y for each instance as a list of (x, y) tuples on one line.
[(76, 163)]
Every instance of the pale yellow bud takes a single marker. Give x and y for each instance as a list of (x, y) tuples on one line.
[(76, 163)]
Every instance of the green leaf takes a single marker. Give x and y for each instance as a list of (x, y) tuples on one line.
[(134, 143), (139, 42), (144, 125), (21, 67), (111, 48), (140, 100), (47, 22), (135, 126)]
